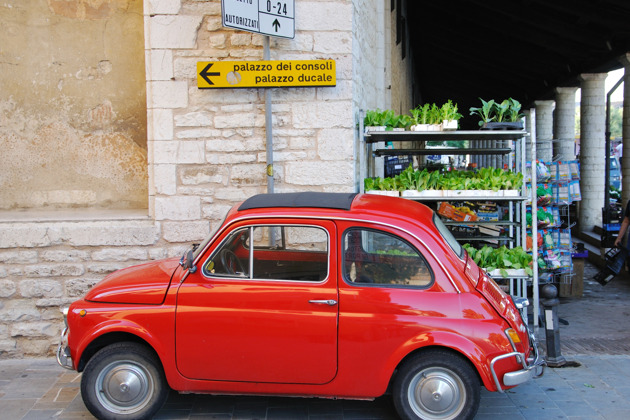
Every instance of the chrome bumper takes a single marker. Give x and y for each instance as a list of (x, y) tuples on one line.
[(532, 367), (63, 351)]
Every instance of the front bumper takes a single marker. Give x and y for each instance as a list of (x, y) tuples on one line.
[(63, 350), (532, 367)]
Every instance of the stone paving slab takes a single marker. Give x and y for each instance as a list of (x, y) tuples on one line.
[(38, 389), (595, 333)]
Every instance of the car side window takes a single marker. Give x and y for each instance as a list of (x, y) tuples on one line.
[(279, 252), (372, 257), (231, 259)]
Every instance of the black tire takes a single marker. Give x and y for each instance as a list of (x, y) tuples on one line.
[(436, 384), (124, 381)]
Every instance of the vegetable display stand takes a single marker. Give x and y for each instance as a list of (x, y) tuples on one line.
[(507, 147), (484, 149)]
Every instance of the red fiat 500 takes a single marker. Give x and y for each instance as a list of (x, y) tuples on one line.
[(304, 294)]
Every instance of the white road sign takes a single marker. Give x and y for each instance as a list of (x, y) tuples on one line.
[(267, 17)]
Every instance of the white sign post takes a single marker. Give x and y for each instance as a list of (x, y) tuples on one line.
[(267, 17)]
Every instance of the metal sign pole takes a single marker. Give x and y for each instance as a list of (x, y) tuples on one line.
[(268, 123)]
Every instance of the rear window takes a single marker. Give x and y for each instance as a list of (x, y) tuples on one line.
[(375, 258), (448, 236)]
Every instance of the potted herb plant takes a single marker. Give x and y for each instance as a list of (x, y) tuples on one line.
[(381, 186), (485, 112), (420, 117), (435, 118), (373, 120), (450, 116), (504, 115)]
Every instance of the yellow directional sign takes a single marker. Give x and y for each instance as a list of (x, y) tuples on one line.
[(265, 74)]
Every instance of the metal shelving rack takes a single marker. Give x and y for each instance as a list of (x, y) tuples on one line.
[(510, 144)]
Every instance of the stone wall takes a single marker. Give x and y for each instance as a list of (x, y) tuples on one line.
[(207, 147), (48, 264), (205, 151), (73, 104)]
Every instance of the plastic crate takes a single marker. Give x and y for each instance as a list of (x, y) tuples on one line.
[(615, 260), (394, 165)]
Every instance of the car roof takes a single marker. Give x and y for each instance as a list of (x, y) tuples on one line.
[(361, 206), (339, 201)]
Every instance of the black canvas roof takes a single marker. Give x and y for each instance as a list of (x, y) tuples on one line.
[(341, 201)]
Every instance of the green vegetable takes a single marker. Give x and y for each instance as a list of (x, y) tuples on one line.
[(515, 110), (485, 112), (449, 111), (501, 258)]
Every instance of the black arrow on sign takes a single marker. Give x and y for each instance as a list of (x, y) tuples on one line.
[(276, 24), (206, 74)]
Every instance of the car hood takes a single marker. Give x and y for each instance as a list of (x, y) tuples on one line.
[(140, 284)]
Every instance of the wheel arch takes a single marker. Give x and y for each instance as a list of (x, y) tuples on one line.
[(428, 349), (108, 338), (455, 344)]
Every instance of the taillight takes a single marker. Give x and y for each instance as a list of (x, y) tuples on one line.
[(493, 293), (511, 332)]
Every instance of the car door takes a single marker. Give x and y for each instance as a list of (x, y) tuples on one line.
[(262, 313)]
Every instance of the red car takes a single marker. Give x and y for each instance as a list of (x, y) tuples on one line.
[(304, 294)]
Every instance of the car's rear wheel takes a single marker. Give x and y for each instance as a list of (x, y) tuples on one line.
[(124, 381), (436, 385)]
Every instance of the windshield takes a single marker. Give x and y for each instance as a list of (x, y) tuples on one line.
[(448, 236), (197, 250)]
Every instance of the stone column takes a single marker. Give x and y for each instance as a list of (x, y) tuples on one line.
[(544, 130), (592, 153), (625, 136), (528, 125), (564, 123)]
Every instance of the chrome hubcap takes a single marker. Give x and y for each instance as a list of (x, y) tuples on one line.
[(124, 387), (437, 393)]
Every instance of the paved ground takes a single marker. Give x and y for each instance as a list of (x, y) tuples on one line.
[(594, 335)]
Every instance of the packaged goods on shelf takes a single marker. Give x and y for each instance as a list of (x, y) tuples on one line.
[(574, 191), (548, 239), (544, 194), (561, 193), (574, 169), (529, 242), (542, 172), (564, 171), (458, 214), (564, 239)]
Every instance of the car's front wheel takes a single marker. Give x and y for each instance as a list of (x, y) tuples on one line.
[(436, 385), (124, 381)]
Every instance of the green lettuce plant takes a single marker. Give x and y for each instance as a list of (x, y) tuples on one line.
[(449, 111), (514, 111), (485, 112), (502, 258)]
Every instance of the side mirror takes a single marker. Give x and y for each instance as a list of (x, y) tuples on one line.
[(188, 262)]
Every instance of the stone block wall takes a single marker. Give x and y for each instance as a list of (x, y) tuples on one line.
[(205, 152), (46, 265), (73, 105), (207, 147)]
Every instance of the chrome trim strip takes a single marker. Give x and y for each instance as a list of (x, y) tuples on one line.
[(251, 253), (333, 218)]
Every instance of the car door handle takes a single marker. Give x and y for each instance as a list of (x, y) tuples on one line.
[(329, 302)]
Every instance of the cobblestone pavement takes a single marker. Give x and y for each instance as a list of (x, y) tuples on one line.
[(593, 334)]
